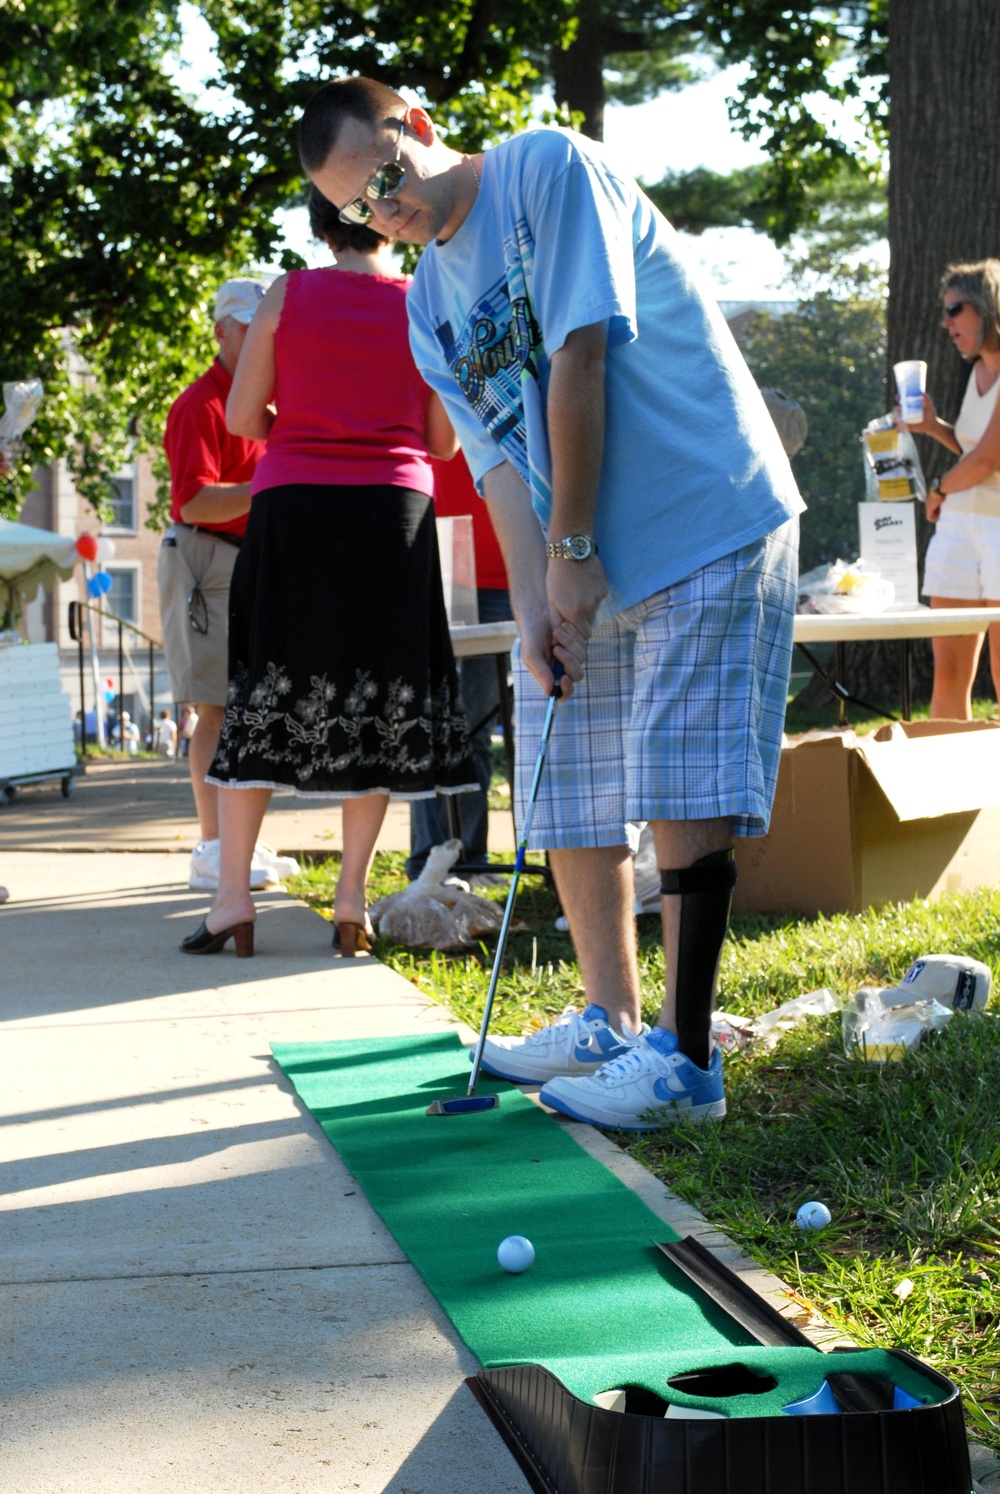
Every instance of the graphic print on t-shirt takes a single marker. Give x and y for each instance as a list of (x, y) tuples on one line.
[(498, 348)]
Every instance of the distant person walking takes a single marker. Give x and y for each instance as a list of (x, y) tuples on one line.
[(165, 735), (962, 568), (188, 725), (128, 736)]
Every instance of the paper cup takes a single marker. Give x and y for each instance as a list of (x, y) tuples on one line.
[(911, 381)]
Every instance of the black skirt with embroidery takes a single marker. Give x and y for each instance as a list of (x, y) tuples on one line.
[(341, 675)]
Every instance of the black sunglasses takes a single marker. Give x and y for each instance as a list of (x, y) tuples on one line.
[(197, 610), (952, 311), (382, 184)]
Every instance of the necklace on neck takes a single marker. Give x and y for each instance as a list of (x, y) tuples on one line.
[(474, 171)]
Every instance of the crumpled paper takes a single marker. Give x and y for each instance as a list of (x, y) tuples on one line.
[(431, 915), (732, 1032)]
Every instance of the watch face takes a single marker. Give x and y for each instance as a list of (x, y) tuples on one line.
[(580, 547)]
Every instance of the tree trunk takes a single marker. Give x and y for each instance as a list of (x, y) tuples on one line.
[(578, 72), (944, 207), (944, 177)]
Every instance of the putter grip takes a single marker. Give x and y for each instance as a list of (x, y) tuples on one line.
[(558, 670)]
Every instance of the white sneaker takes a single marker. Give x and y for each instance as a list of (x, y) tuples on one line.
[(647, 1088), (578, 1043), (267, 868)]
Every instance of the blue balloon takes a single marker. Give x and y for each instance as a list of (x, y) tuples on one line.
[(93, 587), (103, 582), (109, 696)]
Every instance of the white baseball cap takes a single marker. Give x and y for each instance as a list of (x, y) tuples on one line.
[(239, 299), (954, 980)]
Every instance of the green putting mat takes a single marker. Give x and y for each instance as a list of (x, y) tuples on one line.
[(601, 1307)]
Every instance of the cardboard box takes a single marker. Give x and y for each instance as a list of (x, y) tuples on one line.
[(911, 811)]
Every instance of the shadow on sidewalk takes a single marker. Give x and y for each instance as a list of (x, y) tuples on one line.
[(77, 951)]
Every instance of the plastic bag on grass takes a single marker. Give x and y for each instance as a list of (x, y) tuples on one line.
[(732, 1032), (429, 914), (647, 875), (883, 1025)]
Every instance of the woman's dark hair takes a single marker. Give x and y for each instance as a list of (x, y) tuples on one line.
[(326, 223), (979, 285)]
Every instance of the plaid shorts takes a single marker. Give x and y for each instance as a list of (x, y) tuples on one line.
[(681, 709)]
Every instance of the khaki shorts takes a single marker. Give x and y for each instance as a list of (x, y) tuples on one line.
[(197, 661)]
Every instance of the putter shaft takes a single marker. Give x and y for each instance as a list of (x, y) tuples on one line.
[(519, 861)]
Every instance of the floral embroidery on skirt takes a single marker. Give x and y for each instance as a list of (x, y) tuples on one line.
[(342, 678)]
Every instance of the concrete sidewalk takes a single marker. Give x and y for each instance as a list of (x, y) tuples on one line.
[(143, 805), (195, 1293)]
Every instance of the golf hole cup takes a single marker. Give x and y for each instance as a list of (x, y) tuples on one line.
[(911, 381), (516, 1254)]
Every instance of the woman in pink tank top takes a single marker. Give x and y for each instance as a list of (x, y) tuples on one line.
[(342, 679)]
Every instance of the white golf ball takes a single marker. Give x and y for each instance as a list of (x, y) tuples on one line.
[(813, 1216), (516, 1254)]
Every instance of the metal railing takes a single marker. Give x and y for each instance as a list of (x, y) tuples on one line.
[(76, 632)]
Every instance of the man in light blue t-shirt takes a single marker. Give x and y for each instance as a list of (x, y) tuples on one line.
[(647, 516)]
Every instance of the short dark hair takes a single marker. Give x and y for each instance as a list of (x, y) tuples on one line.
[(326, 223), (979, 284), (345, 98)]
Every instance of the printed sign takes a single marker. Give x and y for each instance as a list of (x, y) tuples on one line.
[(888, 534)]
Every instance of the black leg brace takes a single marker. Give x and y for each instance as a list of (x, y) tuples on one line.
[(706, 892)]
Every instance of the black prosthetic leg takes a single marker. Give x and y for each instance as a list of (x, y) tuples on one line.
[(706, 892)]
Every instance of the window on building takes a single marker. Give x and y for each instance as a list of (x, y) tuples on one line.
[(121, 599), (121, 500)]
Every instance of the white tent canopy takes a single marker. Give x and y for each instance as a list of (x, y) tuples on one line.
[(30, 558)]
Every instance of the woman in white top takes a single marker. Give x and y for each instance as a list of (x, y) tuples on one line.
[(963, 560)]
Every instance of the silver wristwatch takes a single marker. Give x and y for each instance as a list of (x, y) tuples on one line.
[(575, 547)]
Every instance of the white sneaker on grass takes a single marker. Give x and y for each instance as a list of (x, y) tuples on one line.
[(646, 1088), (578, 1043), (267, 868), (266, 858)]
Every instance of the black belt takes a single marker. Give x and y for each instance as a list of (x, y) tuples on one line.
[(216, 534)]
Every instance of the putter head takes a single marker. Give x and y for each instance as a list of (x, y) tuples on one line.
[(464, 1105)]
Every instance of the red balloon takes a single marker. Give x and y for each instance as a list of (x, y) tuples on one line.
[(86, 547)]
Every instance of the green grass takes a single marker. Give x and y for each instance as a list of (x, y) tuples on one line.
[(907, 1156)]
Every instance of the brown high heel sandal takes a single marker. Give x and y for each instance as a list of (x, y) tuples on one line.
[(350, 938), (203, 941)]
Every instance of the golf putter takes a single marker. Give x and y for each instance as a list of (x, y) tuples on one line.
[(470, 1101)]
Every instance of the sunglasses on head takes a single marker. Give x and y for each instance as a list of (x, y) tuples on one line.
[(952, 310), (197, 610), (382, 184)]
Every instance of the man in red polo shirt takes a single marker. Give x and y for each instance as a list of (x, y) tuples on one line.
[(210, 472)]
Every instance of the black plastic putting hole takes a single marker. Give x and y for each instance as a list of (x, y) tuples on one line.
[(723, 1380), (642, 1402)]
